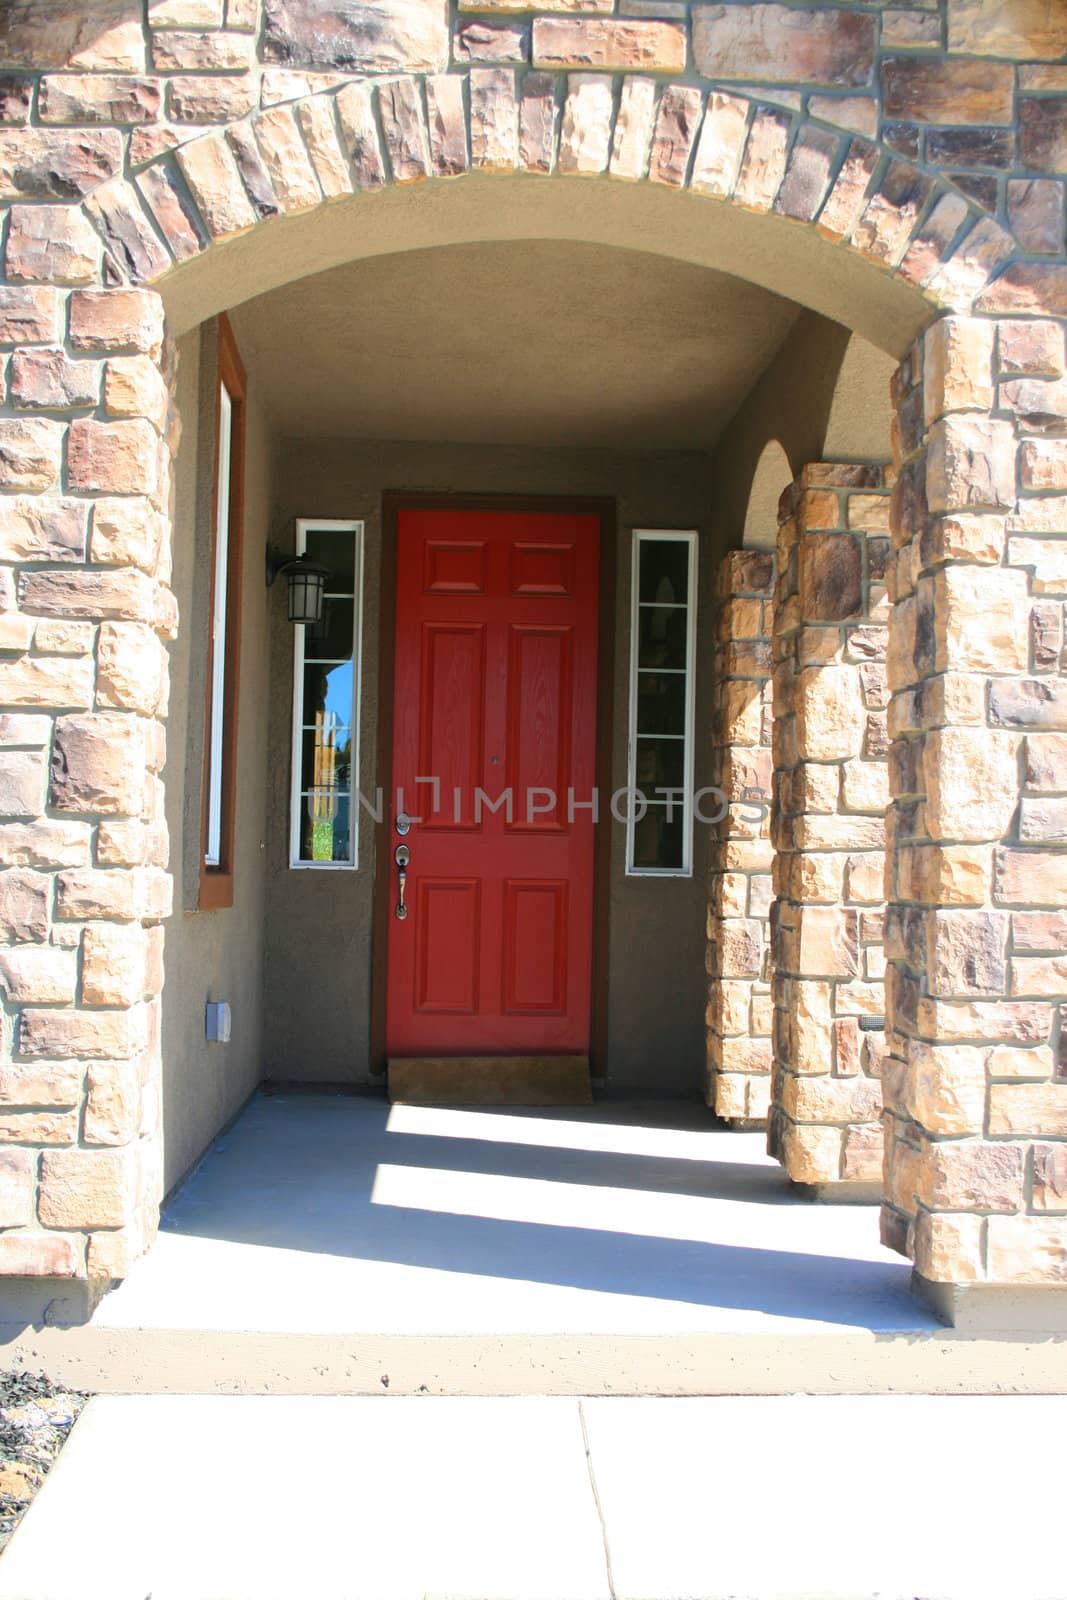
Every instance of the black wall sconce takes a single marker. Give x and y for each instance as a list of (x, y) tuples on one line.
[(307, 583)]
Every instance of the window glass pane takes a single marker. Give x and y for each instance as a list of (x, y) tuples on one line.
[(324, 826), (328, 690), (660, 765), (664, 571), (658, 843), (336, 549), (661, 637), (661, 702), (330, 639), (326, 757)]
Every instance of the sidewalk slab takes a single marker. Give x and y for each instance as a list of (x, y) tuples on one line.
[(285, 1498), (814, 1497)]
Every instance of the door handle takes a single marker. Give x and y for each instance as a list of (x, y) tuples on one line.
[(402, 856)]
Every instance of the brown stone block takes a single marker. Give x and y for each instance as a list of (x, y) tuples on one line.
[(33, 529), (29, 453), (1043, 135), (85, 1188), (971, 465), (28, 315), (808, 174), (966, 953), (115, 321), (764, 162), (1050, 1177), (16, 98), (768, 43), (830, 577), (49, 164), (404, 132), (611, 44), (50, 1032), (85, 894), (48, 380), (98, 765), (51, 244), (447, 125), (112, 457), (172, 212), (1036, 210), (920, 89)]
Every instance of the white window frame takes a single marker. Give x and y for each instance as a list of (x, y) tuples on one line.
[(327, 525), (217, 730), (689, 537)]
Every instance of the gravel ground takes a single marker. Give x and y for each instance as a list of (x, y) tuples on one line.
[(35, 1418)]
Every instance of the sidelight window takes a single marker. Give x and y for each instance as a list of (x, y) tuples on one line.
[(326, 696), (659, 807)]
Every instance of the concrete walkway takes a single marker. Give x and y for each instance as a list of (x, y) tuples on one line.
[(787, 1498), (337, 1245)]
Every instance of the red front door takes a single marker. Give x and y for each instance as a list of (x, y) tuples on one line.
[(494, 723)]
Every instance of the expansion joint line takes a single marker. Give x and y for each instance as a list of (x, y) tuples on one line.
[(596, 1501)]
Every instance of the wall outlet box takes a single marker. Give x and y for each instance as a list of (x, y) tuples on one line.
[(217, 1022)]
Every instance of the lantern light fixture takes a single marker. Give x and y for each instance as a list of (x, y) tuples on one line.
[(307, 583)]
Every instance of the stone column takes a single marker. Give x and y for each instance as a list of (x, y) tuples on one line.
[(85, 446), (976, 1078), (830, 795), (739, 886)]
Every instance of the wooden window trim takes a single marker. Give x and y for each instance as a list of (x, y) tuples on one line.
[(216, 882)]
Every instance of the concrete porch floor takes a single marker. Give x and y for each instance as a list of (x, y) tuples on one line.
[(333, 1244)]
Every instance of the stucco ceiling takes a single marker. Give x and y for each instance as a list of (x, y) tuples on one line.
[(536, 342)]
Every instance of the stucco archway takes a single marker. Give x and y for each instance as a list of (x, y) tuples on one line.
[(839, 224)]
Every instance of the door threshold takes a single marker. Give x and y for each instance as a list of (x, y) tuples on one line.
[(490, 1080)]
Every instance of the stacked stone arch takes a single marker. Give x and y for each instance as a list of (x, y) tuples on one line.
[(119, 215)]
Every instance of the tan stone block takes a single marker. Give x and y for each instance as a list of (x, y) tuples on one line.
[(746, 1055), (112, 457), (113, 964), (811, 1153), (52, 244), (132, 669), (865, 786), (134, 387), (38, 974), (29, 453), (1025, 1249), (21, 783), (1011, 1061), (810, 1098), (948, 1249), (493, 120), (16, 1188), (764, 161), (33, 529), (676, 128), (862, 1154), (46, 681), (85, 1188), (210, 170), (966, 953), (1050, 1177), (958, 366), (114, 320), (44, 844), (286, 159), (113, 1103), (963, 536), (98, 765), (945, 1088), (1041, 977), (817, 879), (24, 904), (1039, 931), (172, 211), (88, 1034), (830, 713), (48, 380), (971, 464), (828, 941), (58, 638), (971, 1176), (986, 1020), (611, 44), (970, 781), (634, 122), (720, 145), (39, 1127), (769, 43), (1043, 464), (28, 316), (585, 134), (1030, 877), (1036, 212), (84, 894), (865, 878), (125, 532), (38, 1255), (123, 595), (1020, 30), (41, 1083)]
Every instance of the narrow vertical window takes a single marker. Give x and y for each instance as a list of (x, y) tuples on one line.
[(326, 696), (216, 877), (660, 768)]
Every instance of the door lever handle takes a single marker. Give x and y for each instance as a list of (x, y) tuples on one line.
[(402, 856)]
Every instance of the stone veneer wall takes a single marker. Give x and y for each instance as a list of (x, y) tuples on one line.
[(831, 790), (930, 143), (976, 1078), (739, 885)]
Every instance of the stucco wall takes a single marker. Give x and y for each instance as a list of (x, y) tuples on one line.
[(319, 924), (824, 396), (213, 955)]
